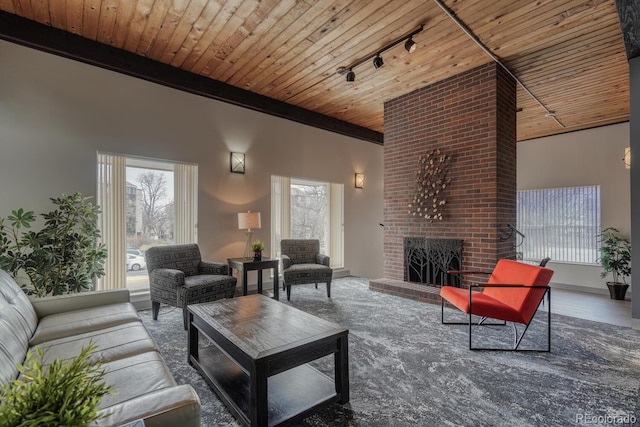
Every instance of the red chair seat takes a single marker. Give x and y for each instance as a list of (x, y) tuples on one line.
[(482, 304)]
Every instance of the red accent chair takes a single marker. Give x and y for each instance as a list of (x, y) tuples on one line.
[(513, 293)]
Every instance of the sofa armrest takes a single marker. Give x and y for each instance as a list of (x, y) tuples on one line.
[(173, 406), (323, 260), (286, 261), (168, 275), (62, 303), (208, 267)]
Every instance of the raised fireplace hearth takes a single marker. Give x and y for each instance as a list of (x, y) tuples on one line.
[(427, 260)]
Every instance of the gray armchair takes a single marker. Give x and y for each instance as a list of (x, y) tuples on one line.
[(303, 263), (178, 277)]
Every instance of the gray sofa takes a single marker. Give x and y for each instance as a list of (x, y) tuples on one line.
[(61, 326)]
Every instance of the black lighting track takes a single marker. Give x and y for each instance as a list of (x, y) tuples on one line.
[(18, 30), (378, 60)]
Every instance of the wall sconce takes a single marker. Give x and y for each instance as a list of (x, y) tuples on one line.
[(359, 180), (249, 221), (627, 158), (236, 162)]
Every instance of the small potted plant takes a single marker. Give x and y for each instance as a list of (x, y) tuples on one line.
[(64, 393), (615, 257), (257, 247)]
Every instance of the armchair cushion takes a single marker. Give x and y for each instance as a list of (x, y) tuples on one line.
[(206, 288), (185, 258), (299, 274), (213, 268), (300, 251)]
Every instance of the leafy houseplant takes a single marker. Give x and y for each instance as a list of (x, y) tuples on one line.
[(257, 247), (63, 394), (63, 257), (615, 257)]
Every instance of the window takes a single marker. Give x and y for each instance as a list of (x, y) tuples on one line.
[(144, 203), (310, 212), (562, 223), (306, 209)]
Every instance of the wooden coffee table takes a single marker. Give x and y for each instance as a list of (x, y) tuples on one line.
[(257, 360)]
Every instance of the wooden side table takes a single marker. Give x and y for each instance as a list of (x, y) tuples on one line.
[(245, 265)]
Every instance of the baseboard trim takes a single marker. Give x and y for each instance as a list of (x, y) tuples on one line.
[(587, 289)]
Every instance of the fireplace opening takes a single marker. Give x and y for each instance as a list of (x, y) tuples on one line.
[(427, 261)]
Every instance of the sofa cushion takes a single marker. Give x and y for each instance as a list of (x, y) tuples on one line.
[(85, 320), (173, 406), (113, 343), (135, 376), (18, 321)]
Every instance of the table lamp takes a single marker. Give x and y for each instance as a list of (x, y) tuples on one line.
[(248, 221)]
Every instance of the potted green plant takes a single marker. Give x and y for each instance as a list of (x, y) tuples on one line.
[(64, 256), (615, 257), (257, 247), (60, 394)]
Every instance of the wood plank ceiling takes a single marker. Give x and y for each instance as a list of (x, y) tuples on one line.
[(568, 53)]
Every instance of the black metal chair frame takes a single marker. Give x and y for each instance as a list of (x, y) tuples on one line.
[(516, 339)]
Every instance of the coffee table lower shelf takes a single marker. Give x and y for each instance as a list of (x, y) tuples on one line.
[(292, 394)]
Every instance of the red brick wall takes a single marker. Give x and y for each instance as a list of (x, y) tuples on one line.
[(471, 116)]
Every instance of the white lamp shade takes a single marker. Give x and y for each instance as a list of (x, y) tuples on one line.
[(249, 220)]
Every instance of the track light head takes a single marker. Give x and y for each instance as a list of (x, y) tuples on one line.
[(351, 76), (410, 45), (378, 62)]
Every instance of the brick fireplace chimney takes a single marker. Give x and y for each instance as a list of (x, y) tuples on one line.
[(472, 117)]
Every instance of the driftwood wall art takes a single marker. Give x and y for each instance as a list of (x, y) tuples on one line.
[(430, 184)]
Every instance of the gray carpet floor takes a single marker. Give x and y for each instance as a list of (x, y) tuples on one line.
[(407, 369)]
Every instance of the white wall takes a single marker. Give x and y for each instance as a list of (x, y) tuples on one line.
[(589, 157), (56, 113)]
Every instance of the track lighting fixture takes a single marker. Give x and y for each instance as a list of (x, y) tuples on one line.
[(409, 45)]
